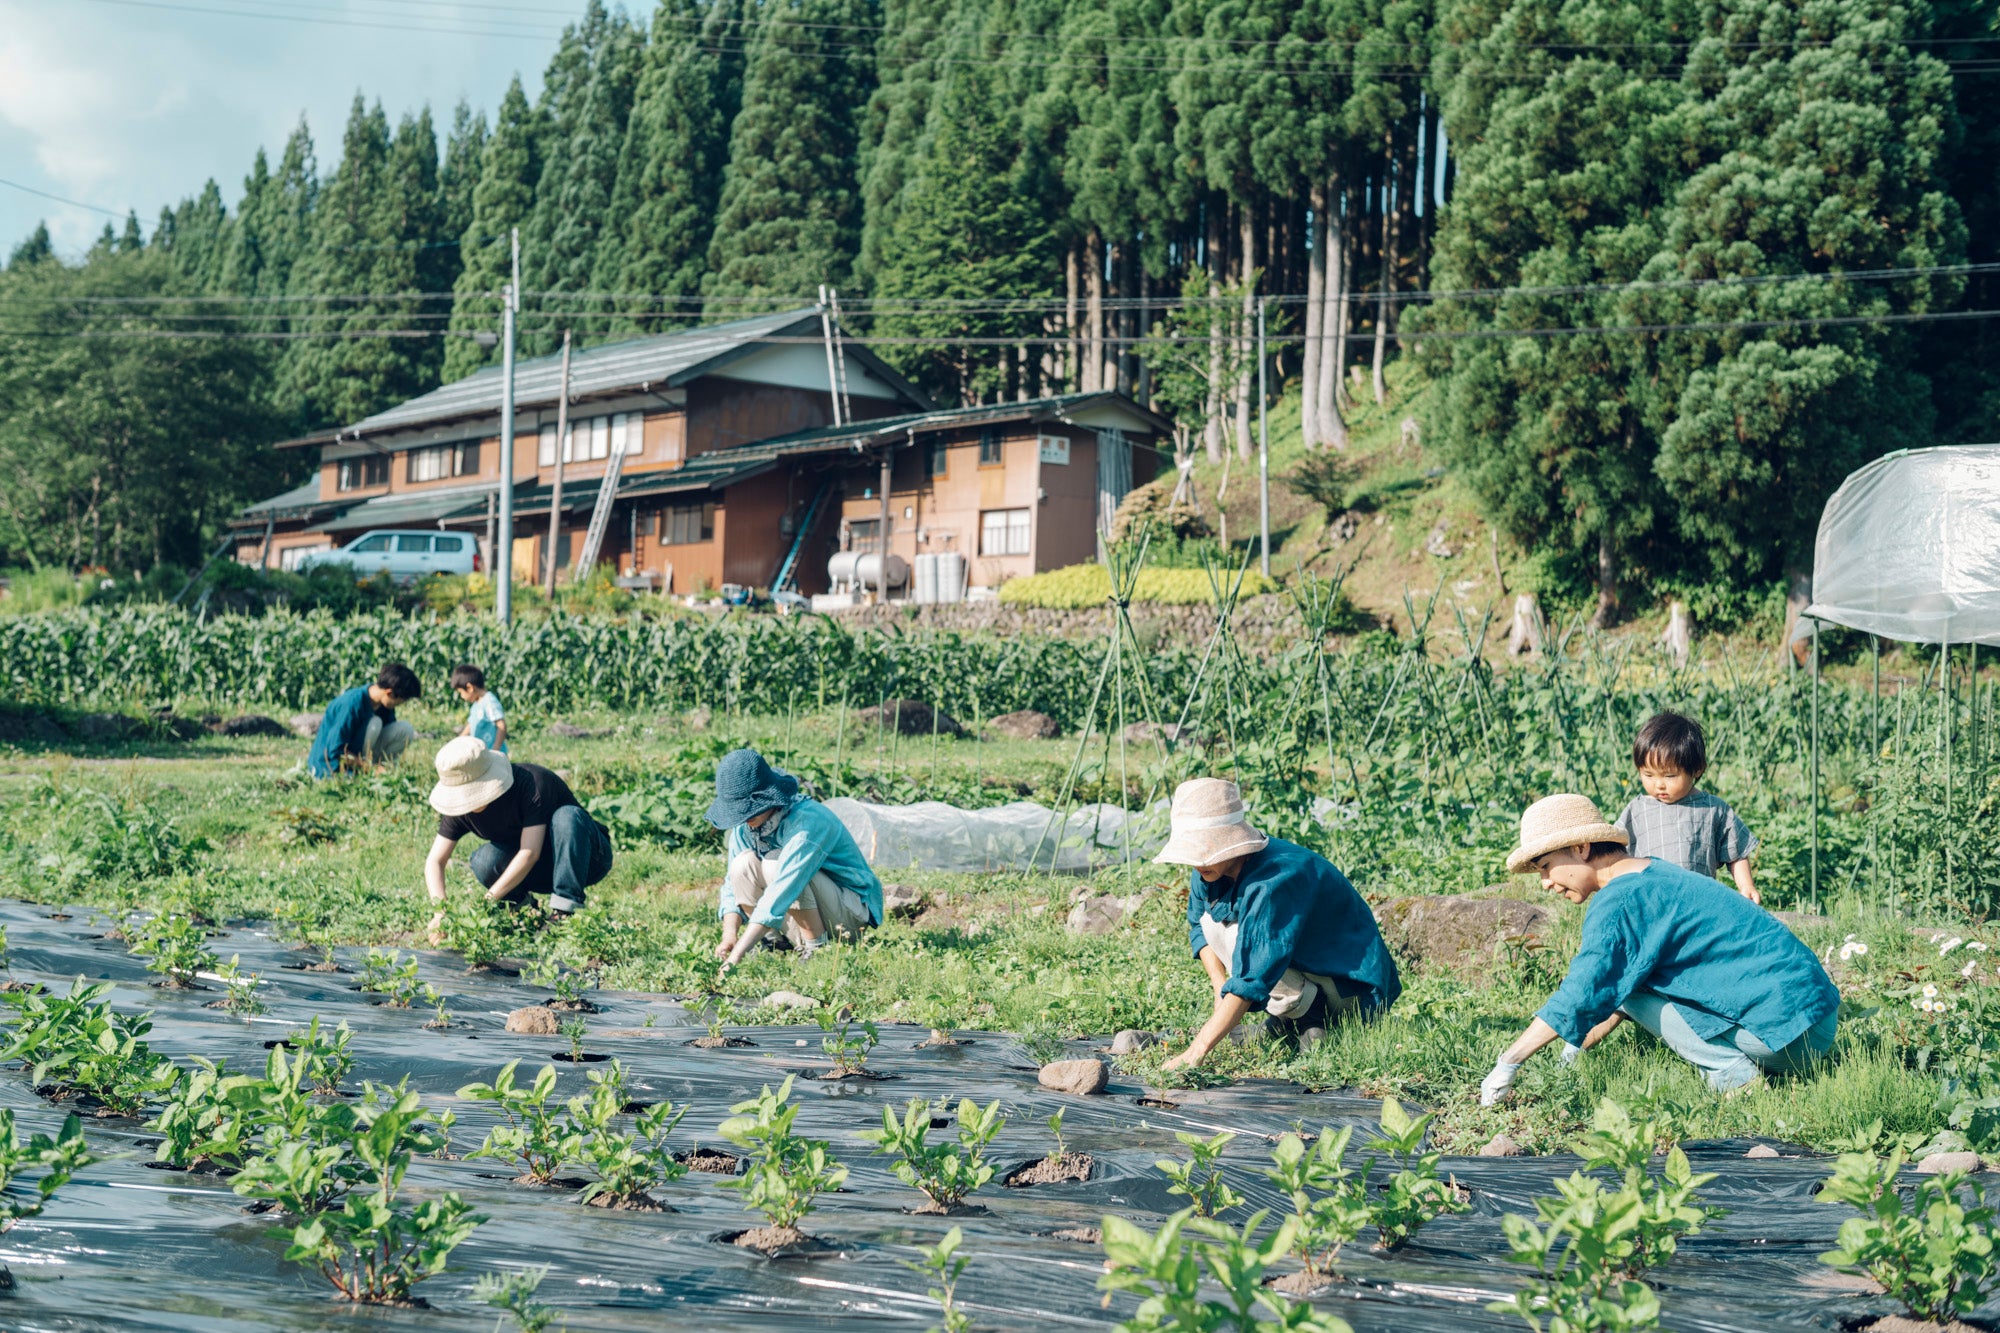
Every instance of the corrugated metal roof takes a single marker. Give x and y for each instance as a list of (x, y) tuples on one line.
[(1037, 409), (299, 497), (656, 361), (396, 511)]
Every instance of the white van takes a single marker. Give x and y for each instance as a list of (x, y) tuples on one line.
[(404, 555)]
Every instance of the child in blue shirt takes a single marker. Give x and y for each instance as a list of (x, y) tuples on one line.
[(485, 720)]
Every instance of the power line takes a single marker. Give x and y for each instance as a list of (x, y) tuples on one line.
[(74, 203)]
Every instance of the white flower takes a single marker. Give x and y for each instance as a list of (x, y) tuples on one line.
[(1930, 992), (1975, 945), (1967, 970), (1852, 949), (1949, 945), (1926, 1005)]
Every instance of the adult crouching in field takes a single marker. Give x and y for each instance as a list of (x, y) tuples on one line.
[(792, 863), (1720, 981), (539, 841), (359, 728), (1276, 927)]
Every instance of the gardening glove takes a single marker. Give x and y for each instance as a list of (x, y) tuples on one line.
[(1497, 1084), (1570, 1051)]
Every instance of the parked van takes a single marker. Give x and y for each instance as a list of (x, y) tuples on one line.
[(402, 554)]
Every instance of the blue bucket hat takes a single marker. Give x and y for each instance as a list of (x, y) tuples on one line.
[(746, 784)]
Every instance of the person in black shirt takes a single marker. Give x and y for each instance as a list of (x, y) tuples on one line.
[(538, 839)]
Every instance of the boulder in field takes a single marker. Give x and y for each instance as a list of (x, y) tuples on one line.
[(1079, 1078), (1940, 1162), (1131, 1042), (790, 999), (108, 727), (535, 1020), (911, 717), (253, 724), (1142, 733), (902, 900), (1025, 725), (304, 724), (1502, 1146), (1460, 932), (1762, 1152), (1102, 915)]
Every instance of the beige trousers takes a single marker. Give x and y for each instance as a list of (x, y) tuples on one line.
[(840, 909), (1295, 991), (385, 744)]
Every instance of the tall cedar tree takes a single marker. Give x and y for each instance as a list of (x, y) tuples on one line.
[(199, 239), (376, 214), (37, 249), (509, 166), (662, 214), (458, 177), (964, 235), (790, 217), (273, 225), (914, 35)]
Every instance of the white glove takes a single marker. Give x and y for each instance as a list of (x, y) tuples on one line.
[(1570, 1051), (1496, 1085)]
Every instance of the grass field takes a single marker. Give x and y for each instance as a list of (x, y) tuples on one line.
[(229, 828)]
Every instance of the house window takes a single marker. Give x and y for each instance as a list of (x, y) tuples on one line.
[(683, 525), (938, 452), (356, 473), (592, 439), (866, 534), (989, 447), (438, 461), (1003, 532)]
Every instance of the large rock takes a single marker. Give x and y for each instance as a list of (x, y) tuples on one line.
[(1025, 725), (304, 724), (1131, 1042), (790, 999), (1103, 914), (1081, 1078), (1940, 1162), (1762, 1152), (1461, 932), (1502, 1146), (536, 1020), (902, 900), (254, 724), (912, 717)]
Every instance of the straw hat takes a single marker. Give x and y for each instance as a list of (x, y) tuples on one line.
[(1209, 824), (470, 776), (1561, 821)]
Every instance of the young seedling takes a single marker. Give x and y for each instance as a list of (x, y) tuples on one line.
[(1668, 1206), (570, 987), (946, 1173), (472, 926), (629, 1166), (1044, 1045), (946, 1266), (176, 948), (535, 1136), (389, 974), (81, 1045), (55, 1159), (1580, 1254), (575, 1030), (847, 1049), (1167, 1268), (440, 1019), (210, 1120), (1935, 1252), (1413, 1196), (325, 1059), (1200, 1177), (240, 997), (786, 1172), (717, 1012), (514, 1294), (1329, 1202)]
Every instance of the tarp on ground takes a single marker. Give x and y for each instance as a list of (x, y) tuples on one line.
[(1022, 835), (1909, 548)]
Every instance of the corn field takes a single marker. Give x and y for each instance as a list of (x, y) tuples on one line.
[(1407, 760)]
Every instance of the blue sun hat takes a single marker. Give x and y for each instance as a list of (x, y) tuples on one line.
[(746, 784)]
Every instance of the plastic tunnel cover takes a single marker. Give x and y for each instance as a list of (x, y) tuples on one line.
[(1021, 835), (1909, 548), (127, 1247)]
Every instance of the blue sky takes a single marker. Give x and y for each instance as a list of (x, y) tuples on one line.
[(135, 103)]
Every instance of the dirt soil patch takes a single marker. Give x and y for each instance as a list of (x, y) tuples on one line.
[(719, 1043), (714, 1163), (1081, 1235), (779, 1242), (1300, 1283), (638, 1203), (1051, 1171)]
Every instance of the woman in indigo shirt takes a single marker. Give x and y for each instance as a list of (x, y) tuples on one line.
[(1275, 926), (1715, 977)]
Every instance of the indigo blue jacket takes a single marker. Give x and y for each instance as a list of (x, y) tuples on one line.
[(1724, 961), (343, 730), (808, 838), (1293, 909)]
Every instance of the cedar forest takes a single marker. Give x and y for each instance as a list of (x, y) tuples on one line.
[(1676, 266)]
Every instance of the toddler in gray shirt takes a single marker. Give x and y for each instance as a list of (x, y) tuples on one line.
[(1674, 822)]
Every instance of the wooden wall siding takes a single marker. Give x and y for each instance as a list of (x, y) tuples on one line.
[(1066, 522), (756, 540)]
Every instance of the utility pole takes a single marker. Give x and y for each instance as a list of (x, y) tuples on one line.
[(555, 491), (503, 554), (1263, 449), (832, 372)]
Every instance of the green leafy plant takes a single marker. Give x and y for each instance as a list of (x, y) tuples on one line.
[(240, 988), (210, 1120), (303, 824), (176, 948), (1580, 1252), (1934, 1252), (1330, 1205), (629, 1165), (440, 1018), (1044, 1045), (1055, 1124), (785, 1172), (1413, 1196), (571, 987), (387, 973), (1668, 1207), (1200, 1177), (945, 1266), (323, 1056), (946, 1173), (1168, 1267), (46, 1163), (473, 927), (514, 1294), (536, 1136), (575, 1030), (846, 1047), (81, 1045)]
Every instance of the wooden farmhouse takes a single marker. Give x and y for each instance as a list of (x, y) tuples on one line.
[(728, 464)]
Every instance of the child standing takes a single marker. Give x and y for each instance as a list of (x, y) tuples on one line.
[(1674, 822), (485, 720)]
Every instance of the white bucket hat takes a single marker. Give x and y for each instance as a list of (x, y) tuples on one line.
[(470, 776), (1561, 821), (1209, 824)]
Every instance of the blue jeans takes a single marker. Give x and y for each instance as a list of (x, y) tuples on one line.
[(576, 853), (1730, 1058)]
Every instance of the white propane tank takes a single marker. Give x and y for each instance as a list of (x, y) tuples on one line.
[(851, 569)]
